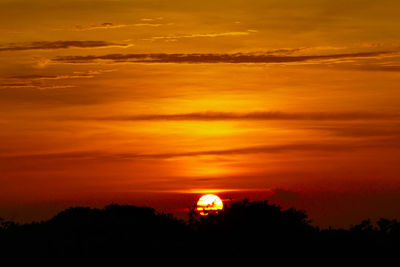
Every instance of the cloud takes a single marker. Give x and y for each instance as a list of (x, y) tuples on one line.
[(74, 75), (34, 85), (151, 19), (109, 25), (263, 149), (262, 115), (200, 35), (41, 81), (105, 25), (145, 22), (361, 130), (46, 45), (376, 67), (213, 58), (51, 77)]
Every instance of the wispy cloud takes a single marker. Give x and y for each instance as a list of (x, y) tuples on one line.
[(201, 35), (128, 156), (46, 81), (49, 45), (214, 58), (262, 149), (377, 67), (105, 25), (145, 22), (35, 86), (109, 25), (388, 129), (262, 115), (74, 75), (151, 19), (51, 77)]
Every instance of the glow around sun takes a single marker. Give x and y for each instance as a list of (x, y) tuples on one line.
[(209, 203)]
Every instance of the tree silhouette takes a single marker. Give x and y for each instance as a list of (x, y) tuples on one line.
[(245, 233)]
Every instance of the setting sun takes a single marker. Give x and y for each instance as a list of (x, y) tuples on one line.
[(209, 203)]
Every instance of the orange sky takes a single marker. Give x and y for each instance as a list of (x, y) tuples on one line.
[(143, 101)]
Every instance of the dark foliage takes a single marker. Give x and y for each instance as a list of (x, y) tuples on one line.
[(245, 233)]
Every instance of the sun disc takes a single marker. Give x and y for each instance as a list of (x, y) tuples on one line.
[(209, 204)]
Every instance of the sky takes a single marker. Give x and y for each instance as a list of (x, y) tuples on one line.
[(157, 102)]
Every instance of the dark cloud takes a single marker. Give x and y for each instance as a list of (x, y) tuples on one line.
[(13, 85), (110, 25), (105, 25), (33, 77), (388, 68), (387, 129), (51, 77), (265, 115), (39, 86), (213, 58), (46, 45), (39, 81)]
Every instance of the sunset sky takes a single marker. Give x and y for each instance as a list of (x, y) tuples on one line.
[(152, 102)]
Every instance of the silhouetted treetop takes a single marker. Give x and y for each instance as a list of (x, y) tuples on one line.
[(259, 216)]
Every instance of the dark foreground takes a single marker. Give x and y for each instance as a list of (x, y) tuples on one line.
[(244, 234)]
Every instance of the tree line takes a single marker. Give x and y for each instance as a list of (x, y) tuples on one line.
[(245, 233)]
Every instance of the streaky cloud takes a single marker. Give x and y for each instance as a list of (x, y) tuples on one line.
[(387, 68), (261, 115), (48, 45), (213, 58), (35, 86), (107, 26), (51, 77), (200, 35), (262, 149)]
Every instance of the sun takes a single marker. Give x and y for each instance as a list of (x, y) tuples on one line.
[(209, 203)]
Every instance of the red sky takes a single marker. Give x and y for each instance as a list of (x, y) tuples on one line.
[(154, 103)]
